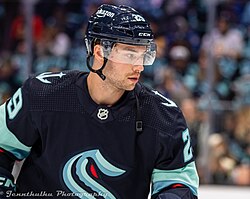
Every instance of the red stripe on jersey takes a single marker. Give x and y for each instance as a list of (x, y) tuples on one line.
[(1, 150), (177, 185), (93, 171)]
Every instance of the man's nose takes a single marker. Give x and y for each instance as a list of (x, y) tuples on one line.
[(138, 68)]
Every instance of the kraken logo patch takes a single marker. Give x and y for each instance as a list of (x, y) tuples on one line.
[(79, 166)]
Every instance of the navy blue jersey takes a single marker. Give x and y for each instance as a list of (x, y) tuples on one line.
[(77, 148)]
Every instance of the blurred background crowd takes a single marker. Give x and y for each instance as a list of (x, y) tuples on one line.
[(203, 64)]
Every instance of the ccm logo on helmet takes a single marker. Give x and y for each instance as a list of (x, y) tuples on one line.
[(104, 13), (144, 34)]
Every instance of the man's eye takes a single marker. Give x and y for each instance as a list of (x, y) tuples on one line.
[(130, 56)]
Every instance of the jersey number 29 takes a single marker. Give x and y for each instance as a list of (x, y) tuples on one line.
[(15, 104)]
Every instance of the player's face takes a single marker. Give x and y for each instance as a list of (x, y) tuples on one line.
[(124, 66)]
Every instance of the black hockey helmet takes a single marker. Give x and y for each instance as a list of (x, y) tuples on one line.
[(118, 24)]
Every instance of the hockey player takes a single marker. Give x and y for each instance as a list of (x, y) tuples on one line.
[(100, 134)]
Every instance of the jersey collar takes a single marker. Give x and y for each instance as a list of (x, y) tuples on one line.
[(103, 113)]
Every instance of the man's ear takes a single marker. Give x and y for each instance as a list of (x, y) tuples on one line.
[(98, 56), (98, 53)]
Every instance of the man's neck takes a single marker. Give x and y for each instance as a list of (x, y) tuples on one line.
[(101, 92)]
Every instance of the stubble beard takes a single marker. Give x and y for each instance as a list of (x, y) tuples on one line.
[(120, 85)]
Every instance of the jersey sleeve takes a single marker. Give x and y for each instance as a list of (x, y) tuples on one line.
[(17, 135), (17, 130), (175, 162)]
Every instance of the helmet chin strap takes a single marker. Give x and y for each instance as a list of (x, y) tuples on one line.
[(99, 71)]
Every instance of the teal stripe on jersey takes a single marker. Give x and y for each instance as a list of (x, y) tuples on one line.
[(8, 140), (186, 175)]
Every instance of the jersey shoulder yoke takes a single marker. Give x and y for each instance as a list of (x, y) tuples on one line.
[(52, 91)]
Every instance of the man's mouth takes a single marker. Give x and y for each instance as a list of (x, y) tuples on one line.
[(134, 79)]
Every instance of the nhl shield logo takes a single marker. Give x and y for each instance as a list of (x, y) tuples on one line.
[(102, 114)]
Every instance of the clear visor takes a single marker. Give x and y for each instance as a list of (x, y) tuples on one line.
[(129, 54)]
